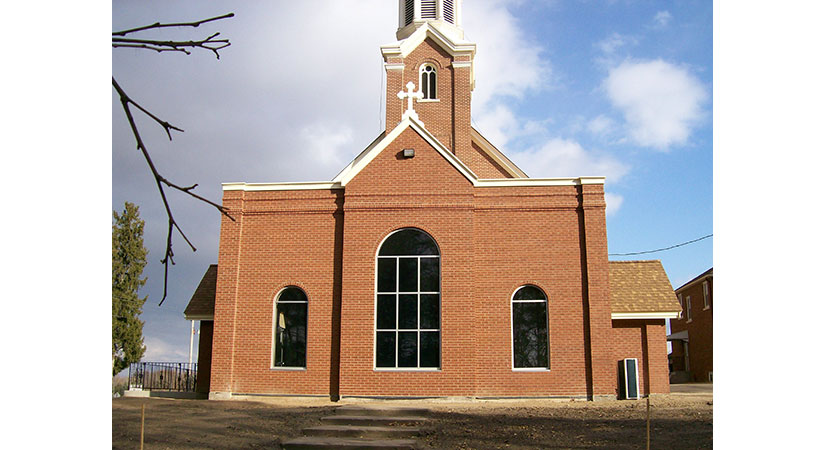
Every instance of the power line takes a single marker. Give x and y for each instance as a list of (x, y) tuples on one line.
[(661, 249)]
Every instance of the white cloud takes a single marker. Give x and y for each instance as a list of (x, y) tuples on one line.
[(567, 158), (614, 202), (329, 145), (601, 125), (615, 41), (661, 19), (158, 350), (661, 102), (503, 41)]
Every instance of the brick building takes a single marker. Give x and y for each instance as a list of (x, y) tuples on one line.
[(430, 266), (691, 335)]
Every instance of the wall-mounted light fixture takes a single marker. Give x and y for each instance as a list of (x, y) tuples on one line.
[(409, 152)]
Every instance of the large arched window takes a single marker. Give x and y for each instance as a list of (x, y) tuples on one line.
[(530, 342), (290, 329), (428, 82), (407, 302)]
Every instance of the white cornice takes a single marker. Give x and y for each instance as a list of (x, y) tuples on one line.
[(299, 186), (406, 46), (393, 66), (645, 315), (382, 142), (513, 182), (198, 317)]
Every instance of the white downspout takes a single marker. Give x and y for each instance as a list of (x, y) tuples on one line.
[(191, 341)]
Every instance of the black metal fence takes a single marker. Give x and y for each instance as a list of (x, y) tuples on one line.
[(163, 376)]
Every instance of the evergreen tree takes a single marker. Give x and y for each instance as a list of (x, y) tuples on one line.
[(128, 260)]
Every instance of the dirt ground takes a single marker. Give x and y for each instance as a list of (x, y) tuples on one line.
[(676, 422)]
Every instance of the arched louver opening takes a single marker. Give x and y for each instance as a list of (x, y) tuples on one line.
[(409, 11), (428, 81)]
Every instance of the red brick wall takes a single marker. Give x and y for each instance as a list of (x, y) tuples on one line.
[(448, 118), (425, 192), (528, 236), (645, 340), (287, 238), (700, 329)]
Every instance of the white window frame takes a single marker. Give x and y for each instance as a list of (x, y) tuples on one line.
[(706, 294), (429, 85), (275, 327), (397, 293), (681, 305), (513, 337), (687, 309)]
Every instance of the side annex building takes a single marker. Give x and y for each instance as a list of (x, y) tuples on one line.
[(430, 266)]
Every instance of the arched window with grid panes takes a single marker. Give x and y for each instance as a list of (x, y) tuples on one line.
[(408, 302), (429, 81), (290, 329), (530, 329)]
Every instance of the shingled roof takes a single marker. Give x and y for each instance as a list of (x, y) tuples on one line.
[(641, 288), (202, 304)]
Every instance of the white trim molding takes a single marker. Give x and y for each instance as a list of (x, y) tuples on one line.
[(382, 142), (199, 317), (645, 315), (299, 186)]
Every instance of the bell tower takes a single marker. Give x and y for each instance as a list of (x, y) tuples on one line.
[(443, 14), (432, 54)]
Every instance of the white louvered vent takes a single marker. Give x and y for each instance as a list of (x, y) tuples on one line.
[(449, 16), (409, 11), (428, 9)]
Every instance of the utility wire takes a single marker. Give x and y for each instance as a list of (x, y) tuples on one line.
[(661, 249)]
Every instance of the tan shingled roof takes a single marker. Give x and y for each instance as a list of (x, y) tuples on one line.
[(202, 304), (641, 286)]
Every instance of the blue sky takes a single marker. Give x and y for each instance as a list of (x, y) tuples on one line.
[(620, 88)]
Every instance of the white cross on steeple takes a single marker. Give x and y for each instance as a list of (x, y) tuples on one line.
[(410, 95)]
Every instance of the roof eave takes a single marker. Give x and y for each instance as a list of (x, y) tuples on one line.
[(644, 315)]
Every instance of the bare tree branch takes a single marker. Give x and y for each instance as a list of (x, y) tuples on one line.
[(175, 25), (211, 44)]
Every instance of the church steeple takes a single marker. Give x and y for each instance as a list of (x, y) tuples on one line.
[(433, 56), (444, 15)]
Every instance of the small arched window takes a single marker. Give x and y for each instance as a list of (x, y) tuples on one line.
[(428, 81), (408, 291), (290, 328), (530, 340)]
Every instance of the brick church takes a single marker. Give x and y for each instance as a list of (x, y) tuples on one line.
[(430, 266)]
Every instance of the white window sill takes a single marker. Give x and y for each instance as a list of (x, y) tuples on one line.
[(289, 369), (705, 308), (405, 369), (531, 369), (429, 100)]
